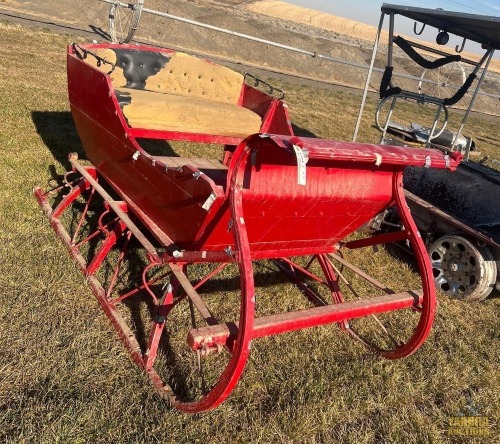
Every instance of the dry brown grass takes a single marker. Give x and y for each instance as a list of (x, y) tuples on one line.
[(64, 377)]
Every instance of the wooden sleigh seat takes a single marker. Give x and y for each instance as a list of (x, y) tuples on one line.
[(212, 168), (179, 93)]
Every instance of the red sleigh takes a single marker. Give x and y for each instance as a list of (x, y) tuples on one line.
[(177, 225)]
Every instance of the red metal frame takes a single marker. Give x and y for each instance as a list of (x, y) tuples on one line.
[(234, 337), (262, 211)]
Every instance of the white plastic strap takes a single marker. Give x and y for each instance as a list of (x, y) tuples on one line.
[(428, 161), (302, 158), (447, 161)]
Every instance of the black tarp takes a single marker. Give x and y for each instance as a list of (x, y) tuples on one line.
[(483, 29)]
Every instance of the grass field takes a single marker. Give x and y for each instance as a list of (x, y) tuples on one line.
[(65, 377)]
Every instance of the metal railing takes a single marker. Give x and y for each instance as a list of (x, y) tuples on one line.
[(312, 54)]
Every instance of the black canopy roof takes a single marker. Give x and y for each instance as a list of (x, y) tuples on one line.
[(483, 29)]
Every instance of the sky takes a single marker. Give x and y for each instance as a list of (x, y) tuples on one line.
[(368, 11)]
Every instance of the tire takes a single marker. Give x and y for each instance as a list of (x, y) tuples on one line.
[(462, 269)]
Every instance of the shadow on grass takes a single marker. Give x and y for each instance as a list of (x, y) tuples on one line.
[(302, 132), (100, 32), (157, 147), (58, 132)]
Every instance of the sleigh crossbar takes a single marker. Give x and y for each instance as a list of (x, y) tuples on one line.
[(222, 334)]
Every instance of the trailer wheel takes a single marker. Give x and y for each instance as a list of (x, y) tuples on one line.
[(124, 20), (462, 269)]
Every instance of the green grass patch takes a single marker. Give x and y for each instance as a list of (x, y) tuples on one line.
[(65, 377)]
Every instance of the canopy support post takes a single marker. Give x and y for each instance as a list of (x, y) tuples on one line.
[(487, 57), (370, 71)]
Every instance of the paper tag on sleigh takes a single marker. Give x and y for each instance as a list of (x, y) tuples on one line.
[(302, 159)]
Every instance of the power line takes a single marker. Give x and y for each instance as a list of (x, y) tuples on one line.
[(469, 7), (495, 8)]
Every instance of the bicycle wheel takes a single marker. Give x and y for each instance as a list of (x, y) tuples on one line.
[(442, 82), (124, 20)]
